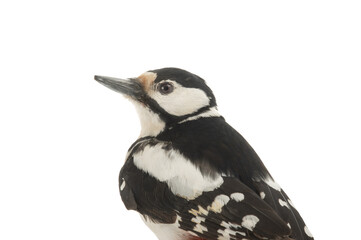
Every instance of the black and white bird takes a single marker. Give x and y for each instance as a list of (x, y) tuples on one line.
[(192, 176)]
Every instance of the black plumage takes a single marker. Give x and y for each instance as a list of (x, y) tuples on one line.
[(247, 205)]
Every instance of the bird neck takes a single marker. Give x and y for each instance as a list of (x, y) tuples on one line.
[(152, 124), (211, 112)]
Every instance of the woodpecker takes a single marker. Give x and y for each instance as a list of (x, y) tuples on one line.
[(190, 175)]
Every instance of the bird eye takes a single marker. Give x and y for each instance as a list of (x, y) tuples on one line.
[(165, 88)]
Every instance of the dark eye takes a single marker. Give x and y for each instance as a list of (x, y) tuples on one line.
[(165, 88)]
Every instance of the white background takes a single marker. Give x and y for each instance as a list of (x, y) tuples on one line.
[(286, 74)]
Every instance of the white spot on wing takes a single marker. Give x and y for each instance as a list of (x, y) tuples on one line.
[(200, 228), (198, 219), (307, 231), (181, 175), (291, 203), (283, 203), (218, 203), (229, 224), (199, 211), (289, 225), (222, 237), (122, 186), (249, 222), (226, 233), (238, 197), (272, 184), (262, 195)]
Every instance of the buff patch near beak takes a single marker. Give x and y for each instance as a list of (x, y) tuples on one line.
[(147, 79)]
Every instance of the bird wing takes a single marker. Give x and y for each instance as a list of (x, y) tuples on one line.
[(232, 211), (215, 147), (274, 196)]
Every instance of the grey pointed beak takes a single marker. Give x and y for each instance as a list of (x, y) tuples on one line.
[(129, 87)]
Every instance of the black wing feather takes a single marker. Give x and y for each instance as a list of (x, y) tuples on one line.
[(215, 147), (279, 201), (270, 225), (156, 201)]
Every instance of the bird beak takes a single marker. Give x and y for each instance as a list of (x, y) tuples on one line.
[(128, 87)]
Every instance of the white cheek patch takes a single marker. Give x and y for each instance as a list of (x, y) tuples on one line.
[(181, 101), (182, 176)]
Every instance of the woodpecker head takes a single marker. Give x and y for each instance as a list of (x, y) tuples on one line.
[(164, 97)]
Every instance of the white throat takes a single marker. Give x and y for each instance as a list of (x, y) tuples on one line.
[(151, 124)]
